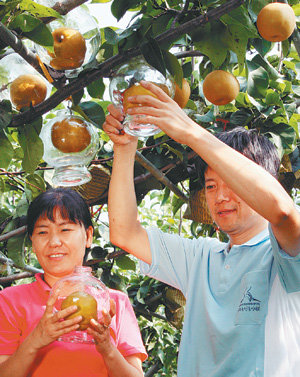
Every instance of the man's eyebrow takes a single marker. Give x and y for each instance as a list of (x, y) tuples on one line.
[(209, 179)]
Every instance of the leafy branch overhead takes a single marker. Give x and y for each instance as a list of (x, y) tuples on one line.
[(188, 40)]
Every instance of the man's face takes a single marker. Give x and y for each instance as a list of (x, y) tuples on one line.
[(228, 210)]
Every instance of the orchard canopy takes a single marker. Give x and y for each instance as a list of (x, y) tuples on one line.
[(185, 39)]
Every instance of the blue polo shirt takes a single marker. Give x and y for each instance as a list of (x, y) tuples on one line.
[(227, 298)]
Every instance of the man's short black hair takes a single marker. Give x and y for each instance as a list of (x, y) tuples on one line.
[(72, 206), (251, 144)]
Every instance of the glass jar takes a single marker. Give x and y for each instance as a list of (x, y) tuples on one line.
[(83, 282), (128, 76), (77, 40), (70, 152), (31, 90)]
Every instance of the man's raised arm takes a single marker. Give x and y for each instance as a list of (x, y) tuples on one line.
[(259, 189)]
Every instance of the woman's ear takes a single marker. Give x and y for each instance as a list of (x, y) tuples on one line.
[(89, 236)]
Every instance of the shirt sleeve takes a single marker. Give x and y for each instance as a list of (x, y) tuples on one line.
[(129, 340), (288, 267), (10, 333), (172, 258)]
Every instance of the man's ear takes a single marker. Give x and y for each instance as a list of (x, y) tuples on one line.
[(89, 236)]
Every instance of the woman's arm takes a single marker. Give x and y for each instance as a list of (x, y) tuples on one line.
[(49, 328), (117, 365)]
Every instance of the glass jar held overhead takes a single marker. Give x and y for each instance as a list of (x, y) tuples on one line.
[(126, 83), (70, 143), (88, 293)]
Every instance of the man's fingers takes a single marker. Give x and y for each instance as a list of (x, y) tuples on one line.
[(155, 89)]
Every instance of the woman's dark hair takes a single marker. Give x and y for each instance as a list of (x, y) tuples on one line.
[(71, 205), (251, 144)]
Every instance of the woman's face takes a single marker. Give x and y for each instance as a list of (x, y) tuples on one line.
[(59, 245)]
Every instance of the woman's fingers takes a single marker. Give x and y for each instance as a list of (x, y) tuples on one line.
[(51, 301), (112, 310)]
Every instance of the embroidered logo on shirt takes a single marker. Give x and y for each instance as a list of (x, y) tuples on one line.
[(248, 302)]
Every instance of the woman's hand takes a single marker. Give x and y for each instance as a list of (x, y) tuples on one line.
[(100, 331), (164, 113), (114, 128), (52, 325)]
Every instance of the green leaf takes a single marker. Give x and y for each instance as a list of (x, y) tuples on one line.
[(96, 89), (5, 113), (7, 7), (176, 204), (94, 112), (177, 152), (173, 66), (240, 118), (38, 10), (273, 98), (260, 61), (15, 249), (208, 40), (21, 209), (206, 118), (40, 35), (153, 55), (241, 19), (283, 136), (25, 22), (111, 37), (166, 196), (261, 45), (236, 40), (7, 151), (258, 80), (32, 146), (119, 7), (34, 186), (125, 263)]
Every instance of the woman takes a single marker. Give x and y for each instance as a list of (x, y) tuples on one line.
[(60, 228)]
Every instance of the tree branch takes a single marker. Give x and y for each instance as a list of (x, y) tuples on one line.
[(106, 68), (160, 176), (13, 233), (153, 369), (16, 44), (11, 278), (25, 268)]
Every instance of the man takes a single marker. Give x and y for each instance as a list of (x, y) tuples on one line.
[(227, 286)]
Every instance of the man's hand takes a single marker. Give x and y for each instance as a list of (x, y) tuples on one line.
[(164, 113)]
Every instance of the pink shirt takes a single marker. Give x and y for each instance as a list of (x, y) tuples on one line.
[(21, 307)]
